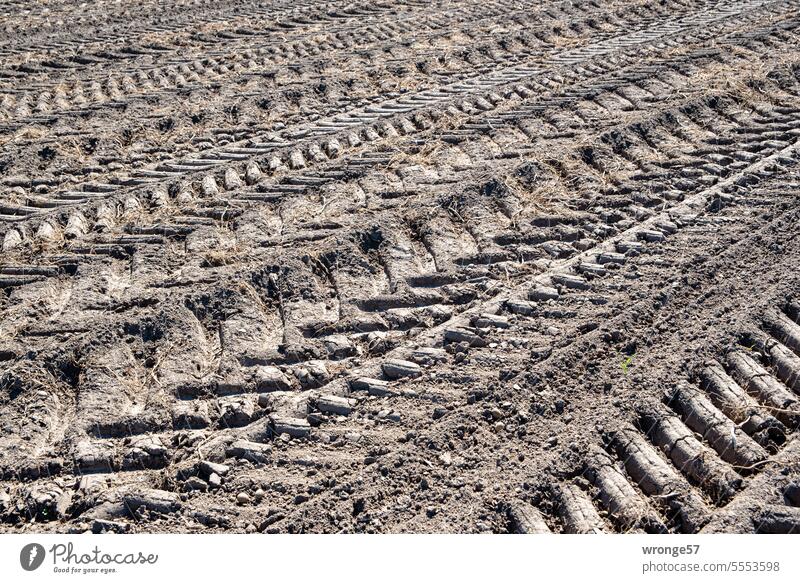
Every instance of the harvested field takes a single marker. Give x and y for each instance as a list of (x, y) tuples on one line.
[(400, 266)]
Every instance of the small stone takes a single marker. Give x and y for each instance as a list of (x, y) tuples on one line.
[(242, 498), (259, 495), (439, 412), (195, 483), (251, 528), (214, 481), (209, 468)]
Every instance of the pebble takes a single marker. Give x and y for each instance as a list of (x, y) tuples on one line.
[(242, 498), (212, 468), (259, 495), (195, 483), (214, 481)]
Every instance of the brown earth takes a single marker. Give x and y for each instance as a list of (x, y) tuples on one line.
[(400, 266)]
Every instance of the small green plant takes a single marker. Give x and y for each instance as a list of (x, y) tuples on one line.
[(626, 363)]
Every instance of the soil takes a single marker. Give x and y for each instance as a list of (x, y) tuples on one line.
[(396, 266)]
